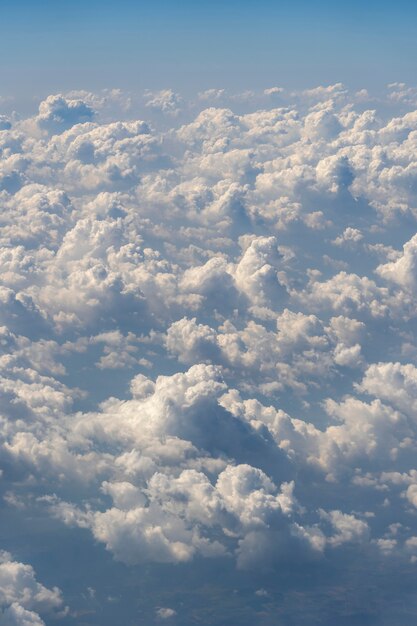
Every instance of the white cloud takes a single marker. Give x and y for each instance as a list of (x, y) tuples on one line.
[(207, 328), (22, 597), (403, 270), (57, 113), (165, 613)]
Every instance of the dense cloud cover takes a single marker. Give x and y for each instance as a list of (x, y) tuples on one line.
[(208, 359)]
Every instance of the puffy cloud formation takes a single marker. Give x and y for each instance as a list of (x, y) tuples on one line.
[(22, 597), (208, 354), (57, 113), (165, 613)]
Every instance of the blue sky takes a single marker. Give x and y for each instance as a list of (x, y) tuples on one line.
[(188, 45)]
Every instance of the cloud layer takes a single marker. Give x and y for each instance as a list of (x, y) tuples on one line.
[(208, 343)]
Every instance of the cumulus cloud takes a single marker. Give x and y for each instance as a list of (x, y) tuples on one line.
[(403, 270), (58, 113), (22, 597), (165, 613), (207, 340)]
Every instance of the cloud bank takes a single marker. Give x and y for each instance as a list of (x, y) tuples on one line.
[(208, 351)]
